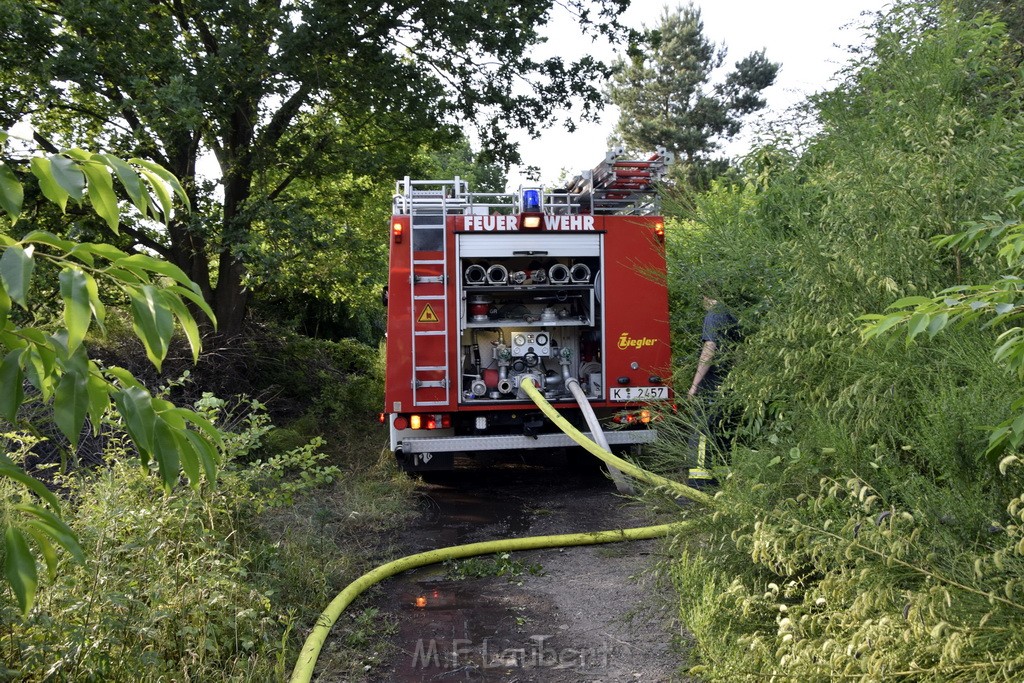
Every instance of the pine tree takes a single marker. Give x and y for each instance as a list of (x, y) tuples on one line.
[(664, 95)]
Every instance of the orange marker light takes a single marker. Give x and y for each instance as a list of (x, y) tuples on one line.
[(421, 602), (396, 230)]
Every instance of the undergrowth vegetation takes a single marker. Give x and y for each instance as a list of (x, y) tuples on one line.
[(219, 581), (862, 529)]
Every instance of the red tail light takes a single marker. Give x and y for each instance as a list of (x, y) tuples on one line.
[(437, 421)]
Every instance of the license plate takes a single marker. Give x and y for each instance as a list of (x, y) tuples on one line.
[(639, 393)]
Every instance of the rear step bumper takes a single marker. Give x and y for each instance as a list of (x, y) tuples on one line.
[(451, 444)]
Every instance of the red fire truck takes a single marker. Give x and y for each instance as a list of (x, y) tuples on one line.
[(486, 289)]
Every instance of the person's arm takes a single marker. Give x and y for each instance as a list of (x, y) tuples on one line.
[(707, 354)]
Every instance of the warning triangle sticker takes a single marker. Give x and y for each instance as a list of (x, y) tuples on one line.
[(428, 315)]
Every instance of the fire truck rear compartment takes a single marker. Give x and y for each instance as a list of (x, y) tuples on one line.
[(480, 299)]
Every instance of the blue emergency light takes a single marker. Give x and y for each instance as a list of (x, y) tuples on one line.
[(531, 201)]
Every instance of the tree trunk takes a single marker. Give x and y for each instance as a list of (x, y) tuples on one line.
[(230, 298)]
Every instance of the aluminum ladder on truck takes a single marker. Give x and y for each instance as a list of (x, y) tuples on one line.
[(428, 216), (622, 186)]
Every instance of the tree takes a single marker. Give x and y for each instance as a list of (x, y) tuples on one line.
[(337, 228), (663, 92), (266, 86)]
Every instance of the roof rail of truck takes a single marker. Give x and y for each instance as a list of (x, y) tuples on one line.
[(616, 186)]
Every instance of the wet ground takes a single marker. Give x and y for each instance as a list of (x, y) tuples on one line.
[(573, 614)]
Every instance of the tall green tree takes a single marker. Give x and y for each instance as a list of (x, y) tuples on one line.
[(337, 228), (666, 97), (264, 86)]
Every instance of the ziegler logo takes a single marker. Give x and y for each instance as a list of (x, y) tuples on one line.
[(627, 342)]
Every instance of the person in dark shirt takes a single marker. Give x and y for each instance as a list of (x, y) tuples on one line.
[(719, 326), (719, 331)]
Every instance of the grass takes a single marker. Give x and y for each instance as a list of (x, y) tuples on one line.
[(213, 583)]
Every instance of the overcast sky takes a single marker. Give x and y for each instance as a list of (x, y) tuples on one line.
[(808, 37)]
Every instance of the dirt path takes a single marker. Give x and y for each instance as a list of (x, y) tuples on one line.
[(580, 617)]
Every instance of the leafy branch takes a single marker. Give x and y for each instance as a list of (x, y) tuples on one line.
[(54, 360), (1000, 304)]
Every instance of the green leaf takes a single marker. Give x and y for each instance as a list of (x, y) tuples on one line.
[(11, 192), (5, 306), (189, 457), (16, 267), (188, 323), (937, 323), (38, 361), (162, 195), (43, 170), (168, 412), (74, 290), (96, 306), (99, 399), (83, 253), (101, 194), (885, 324), (1018, 424), (167, 177), (909, 301), (46, 548), (165, 449), (55, 528), (125, 276), (68, 176), (207, 454), (208, 429), (158, 266), (126, 378), (136, 407), (70, 405), (12, 391), (107, 251), (20, 569), (152, 322), (11, 471), (48, 238), (918, 324), (130, 180), (196, 298)]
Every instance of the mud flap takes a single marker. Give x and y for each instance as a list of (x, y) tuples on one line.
[(426, 462)]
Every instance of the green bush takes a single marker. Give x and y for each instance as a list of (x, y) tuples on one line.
[(861, 530), (202, 583)]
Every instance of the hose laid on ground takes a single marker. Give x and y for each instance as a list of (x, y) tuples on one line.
[(303, 671)]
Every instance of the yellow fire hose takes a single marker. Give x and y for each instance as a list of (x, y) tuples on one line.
[(303, 671)]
